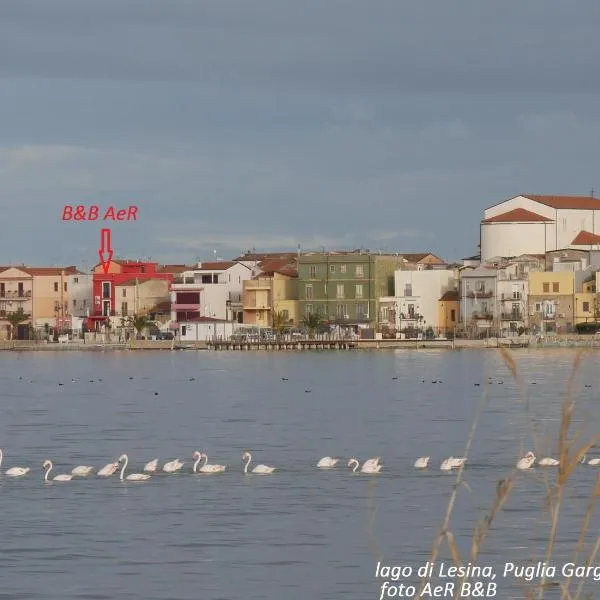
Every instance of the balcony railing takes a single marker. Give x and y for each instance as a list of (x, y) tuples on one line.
[(480, 294), (512, 316), (510, 297), (410, 316), (483, 316), (15, 295)]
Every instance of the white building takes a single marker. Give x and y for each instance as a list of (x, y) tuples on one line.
[(417, 295), (81, 292), (479, 297), (204, 329), (535, 224), (214, 290)]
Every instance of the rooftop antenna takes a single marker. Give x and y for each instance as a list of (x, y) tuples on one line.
[(592, 192), (215, 254)]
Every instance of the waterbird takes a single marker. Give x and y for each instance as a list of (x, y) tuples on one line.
[(152, 466), (173, 466), (14, 471), (422, 462), (108, 469), (370, 466), (548, 462), (526, 462), (328, 462), (133, 476), (48, 466), (206, 468), (82, 471), (258, 469)]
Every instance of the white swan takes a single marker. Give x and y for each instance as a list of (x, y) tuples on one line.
[(368, 467), (206, 468), (526, 462), (327, 462), (108, 469), (548, 462), (452, 463), (133, 476), (48, 466), (258, 469), (594, 462), (422, 463), (152, 466), (14, 471), (82, 471), (173, 466)]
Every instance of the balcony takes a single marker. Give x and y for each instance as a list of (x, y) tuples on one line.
[(411, 316), (480, 294), (15, 295), (512, 316), (482, 316), (514, 297), (186, 287)]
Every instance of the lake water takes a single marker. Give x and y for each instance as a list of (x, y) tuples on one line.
[(297, 534)]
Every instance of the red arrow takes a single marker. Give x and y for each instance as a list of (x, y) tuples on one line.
[(105, 249)]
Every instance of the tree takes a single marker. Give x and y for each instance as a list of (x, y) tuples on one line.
[(15, 319), (139, 323), (597, 308), (312, 322), (279, 322)]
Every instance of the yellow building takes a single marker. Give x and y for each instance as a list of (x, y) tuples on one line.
[(551, 301), (271, 298), (586, 307), (134, 297), (448, 311)]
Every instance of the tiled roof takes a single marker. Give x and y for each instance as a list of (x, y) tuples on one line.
[(285, 267), (261, 256), (222, 265), (578, 202), (518, 215), (175, 268), (586, 238), (450, 295), (49, 271)]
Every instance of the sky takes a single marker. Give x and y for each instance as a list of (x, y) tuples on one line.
[(335, 124)]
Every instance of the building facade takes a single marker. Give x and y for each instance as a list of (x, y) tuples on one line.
[(551, 301), (479, 300)]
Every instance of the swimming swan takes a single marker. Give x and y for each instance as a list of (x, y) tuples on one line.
[(133, 476), (82, 471), (173, 466), (327, 462), (258, 469), (14, 471), (108, 469), (206, 468), (452, 463), (526, 462), (48, 466), (548, 462), (152, 466), (422, 463), (370, 466)]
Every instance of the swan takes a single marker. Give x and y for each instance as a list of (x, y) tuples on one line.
[(422, 463), (173, 466), (452, 463), (327, 462), (594, 462), (206, 468), (133, 476), (258, 469), (14, 471), (526, 462), (108, 469), (48, 466), (368, 467), (82, 471), (548, 462), (152, 466)]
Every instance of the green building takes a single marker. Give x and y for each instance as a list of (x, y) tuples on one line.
[(345, 287)]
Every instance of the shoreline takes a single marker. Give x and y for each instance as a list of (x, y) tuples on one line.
[(568, 341)]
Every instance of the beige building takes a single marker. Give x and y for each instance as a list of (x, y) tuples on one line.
[(271, 298), (134, 297), (16, 288), (551, 301)]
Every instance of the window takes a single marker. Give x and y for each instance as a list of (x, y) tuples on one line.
[(332, 268), (586, 307), (341, 310), (56, 286), (546, 288), (359, 271), (564, 224), (308, 310), (384, 313), (538, 307), (361, 311), (75, 279), (339, 290), (84, 303), (312, 271), (359, 290), (106, 308), (555, 287), (408, 289), (183, 330), (453, 315), (2, 290), (74, 303), (325, 290), (411, 311), (309, 291), (65, 286), (124, 293), (21, 292), (285, 315), (123, 309), (342, 268), (206, 278), (106, 289)]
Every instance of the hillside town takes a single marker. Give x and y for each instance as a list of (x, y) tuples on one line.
[(536, 272)]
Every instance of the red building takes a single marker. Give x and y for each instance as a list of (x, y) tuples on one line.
[(119, 272)]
